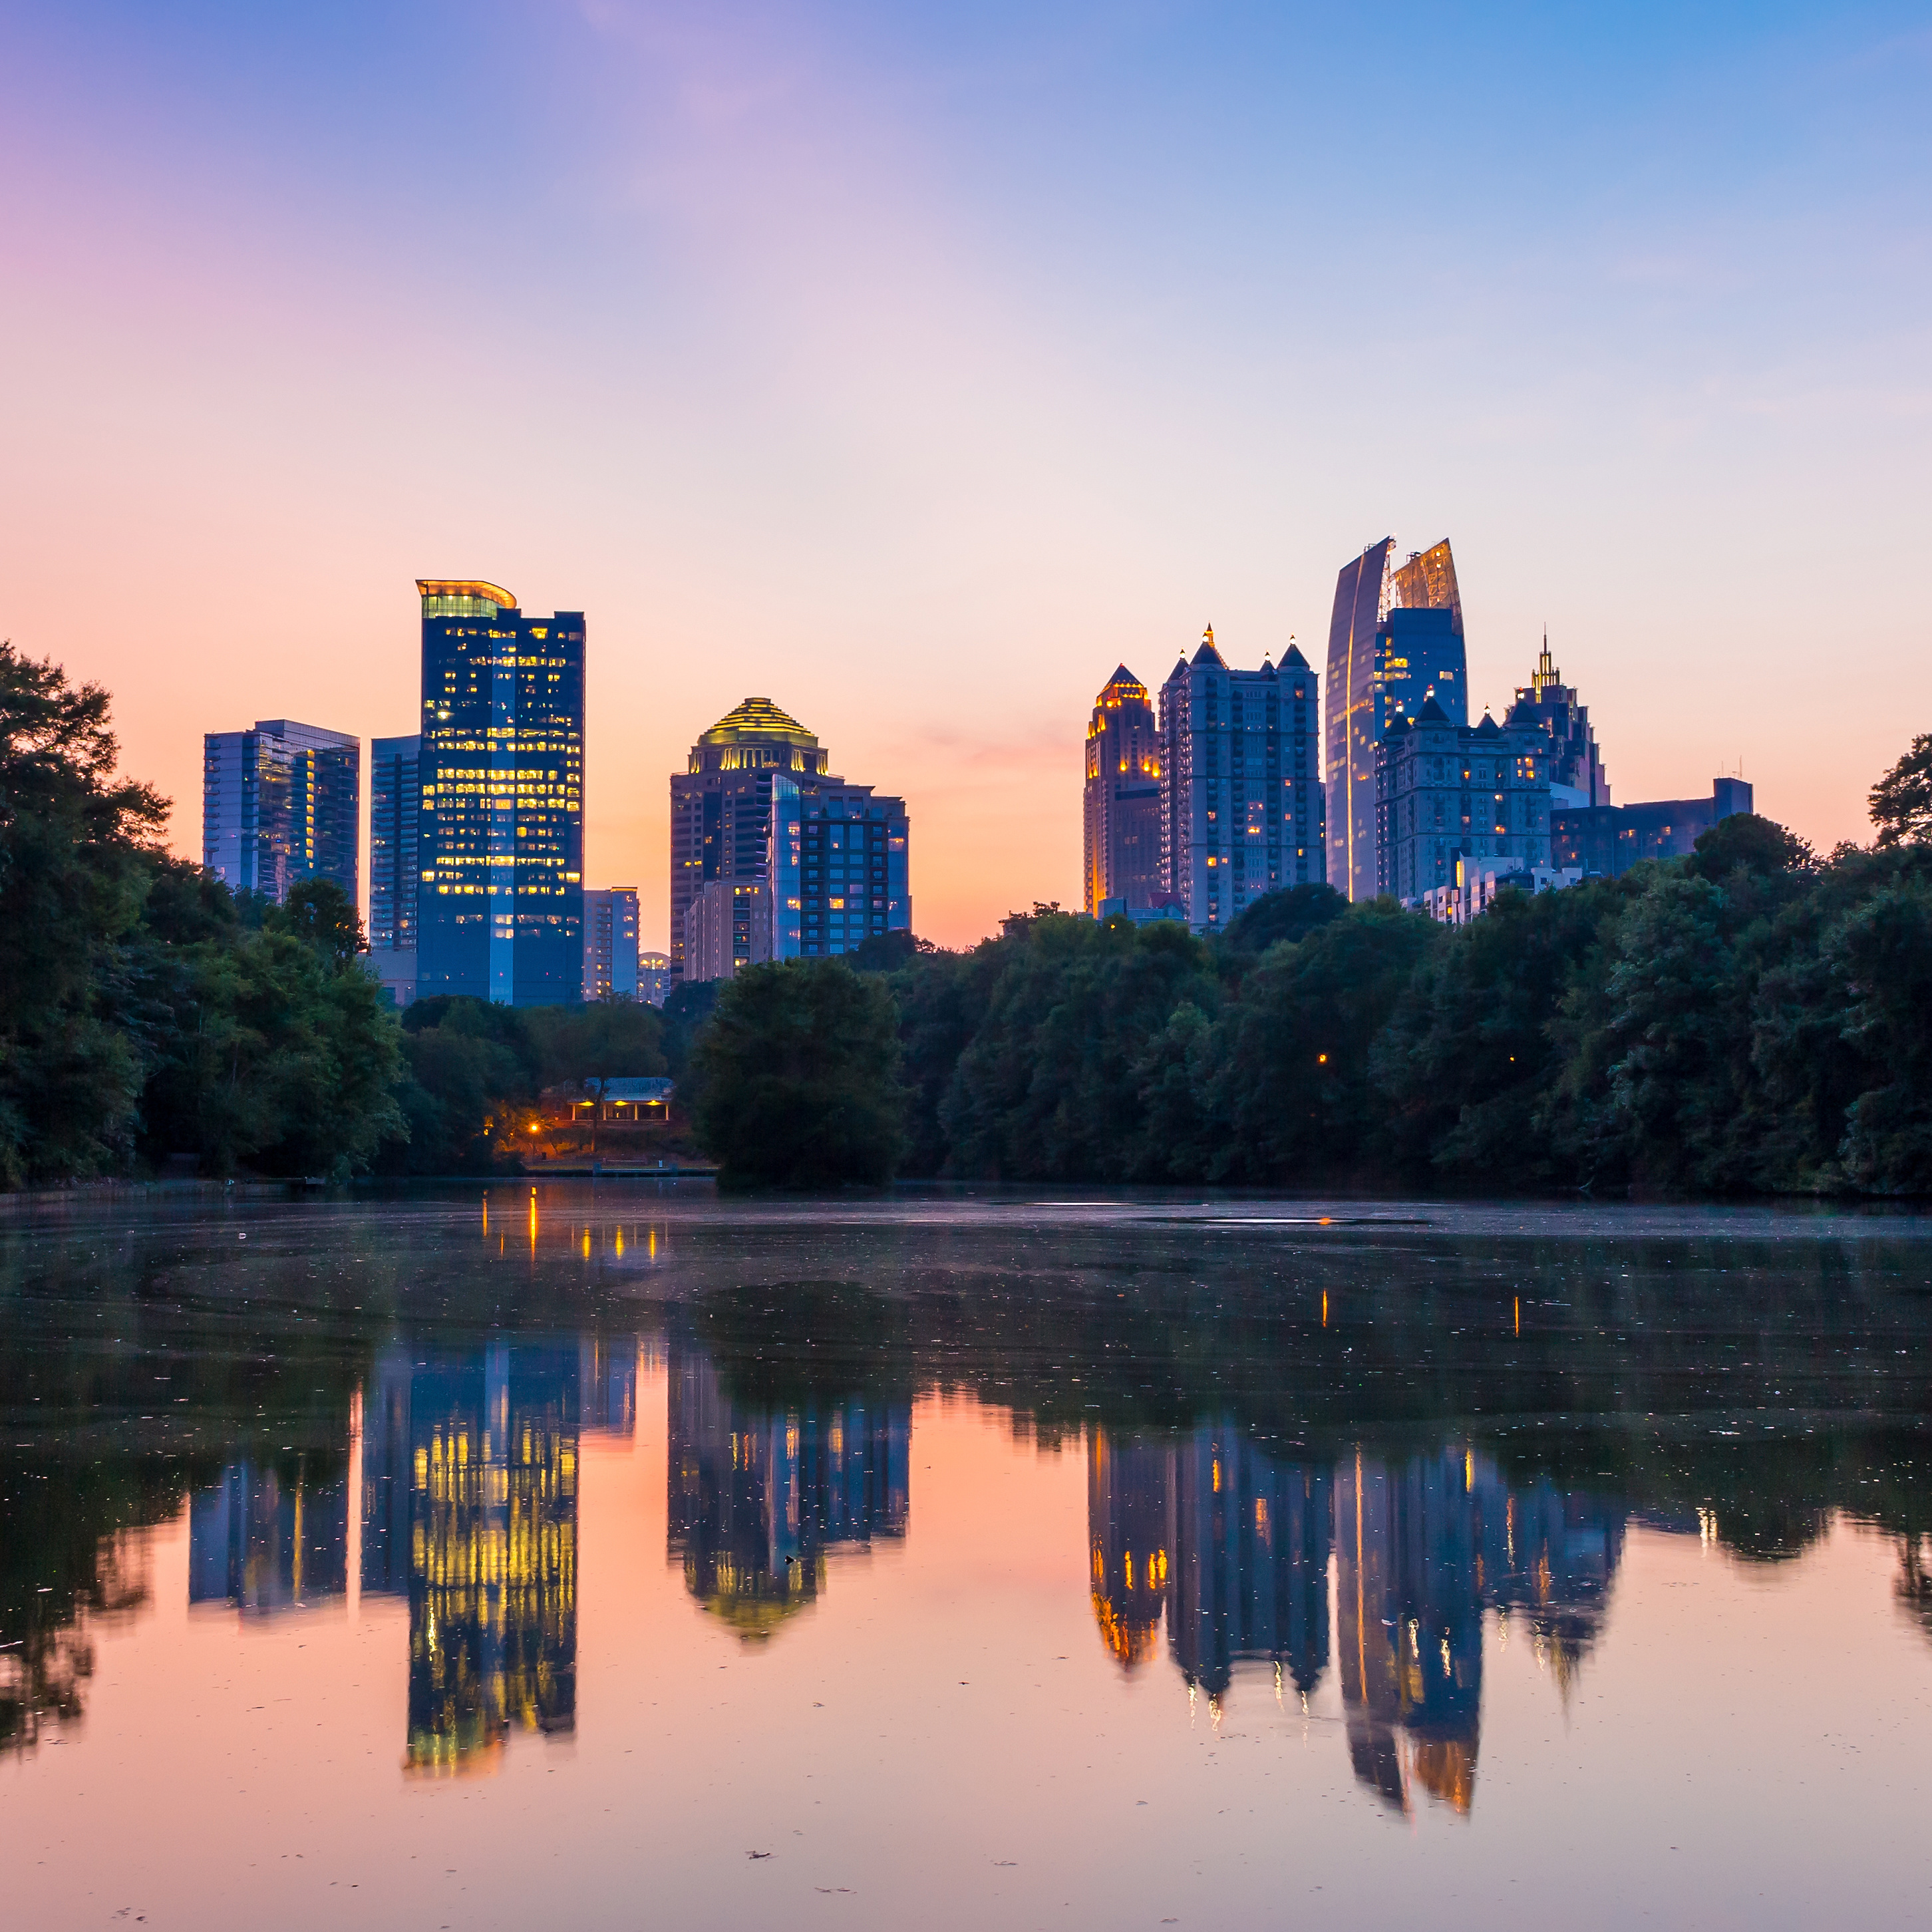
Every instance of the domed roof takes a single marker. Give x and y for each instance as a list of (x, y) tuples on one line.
[(758, 717)]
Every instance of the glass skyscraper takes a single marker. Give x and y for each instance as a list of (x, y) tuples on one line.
[(1395, 642), (500, 866), (840, 868), (281, 804), (395, 801)]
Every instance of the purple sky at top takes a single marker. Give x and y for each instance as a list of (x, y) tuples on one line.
[(912, 366)]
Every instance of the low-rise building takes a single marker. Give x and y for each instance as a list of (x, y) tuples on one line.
[(1605, 840), (1475, 886), (655, 978)]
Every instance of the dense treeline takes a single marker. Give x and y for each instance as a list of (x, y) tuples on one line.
[(1750, 1019), (150, 1019)]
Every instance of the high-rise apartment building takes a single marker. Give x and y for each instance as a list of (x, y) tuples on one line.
[(840, 868), (1577, 777), (1395, 642), (721, 805), (727, 926), (1241, 777), (1450, 791), (395, 805), (1122, 801), (501, 900), (279, 804), (611, 942)]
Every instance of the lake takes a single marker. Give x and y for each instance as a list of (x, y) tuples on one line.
[(611, 1555)]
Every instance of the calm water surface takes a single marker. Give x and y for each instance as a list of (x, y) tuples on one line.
[(620, 1557)]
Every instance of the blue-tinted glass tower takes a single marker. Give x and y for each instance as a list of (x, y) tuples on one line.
[(395, 802), (500, 863), (281, 804), (839, 868)]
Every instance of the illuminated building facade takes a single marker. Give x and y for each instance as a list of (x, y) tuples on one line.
[(501, 903), (1121, 805), (720, 806), (1577, 778), (395, 805), (1395, 643), (1241, 794), (1447, 791), (727, 926), (469, 1465), (271, 1536), (279, 804), (840, 865), (611, 943), (1605, 840), (759, 1496), (655, 979)]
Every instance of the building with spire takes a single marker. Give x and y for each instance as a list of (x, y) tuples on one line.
[(1395, 643), (1122, 802), (1577, 777), (500, 834), (721, 805), (1241, 799)]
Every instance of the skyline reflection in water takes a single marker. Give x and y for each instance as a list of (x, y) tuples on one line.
[(962, 1506)]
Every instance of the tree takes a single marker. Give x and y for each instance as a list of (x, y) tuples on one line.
[(76, 853), (1901, 801), (797, 1074), (1292, 914), (1747, 843), (318, 911), (586, 1047)]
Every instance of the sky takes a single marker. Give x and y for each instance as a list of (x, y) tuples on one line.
[(912, 367)]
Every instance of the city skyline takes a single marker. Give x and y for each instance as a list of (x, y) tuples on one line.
[(887, 376)]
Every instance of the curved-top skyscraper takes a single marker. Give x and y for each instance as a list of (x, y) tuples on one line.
[(1395, 640)]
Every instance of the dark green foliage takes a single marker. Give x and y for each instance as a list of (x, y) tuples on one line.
[(884, 952), (470, 1065), (320, 912), (1747, 843), (797, 1074), (76, 856), (1901, 801), (684, 1010), (1292, 914), (596, 1043)]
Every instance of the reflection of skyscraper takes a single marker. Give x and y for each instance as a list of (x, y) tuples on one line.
[(470, 1506), (270, 1536), (1251, 1541), (758, 1496), (608, 1375), (1130, 1535)]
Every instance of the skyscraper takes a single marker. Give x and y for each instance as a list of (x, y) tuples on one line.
[(1241, 797), (841, 868), (501, 905), (611, 943), (395, 805), (1395, 641), (279, 804), (1122, 805), (1449, 791), (1576, 774), (721, 805)]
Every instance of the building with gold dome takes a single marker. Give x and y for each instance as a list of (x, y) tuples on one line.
[(721, 805)]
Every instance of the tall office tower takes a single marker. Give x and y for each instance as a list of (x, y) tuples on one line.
[(841, 868), (279, 804), (1395, 641), (395, 803), (501, 904), (1122, 808), (1449, 791), (721, 805), (1576, 774), (611, 943), (1240, 784)]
